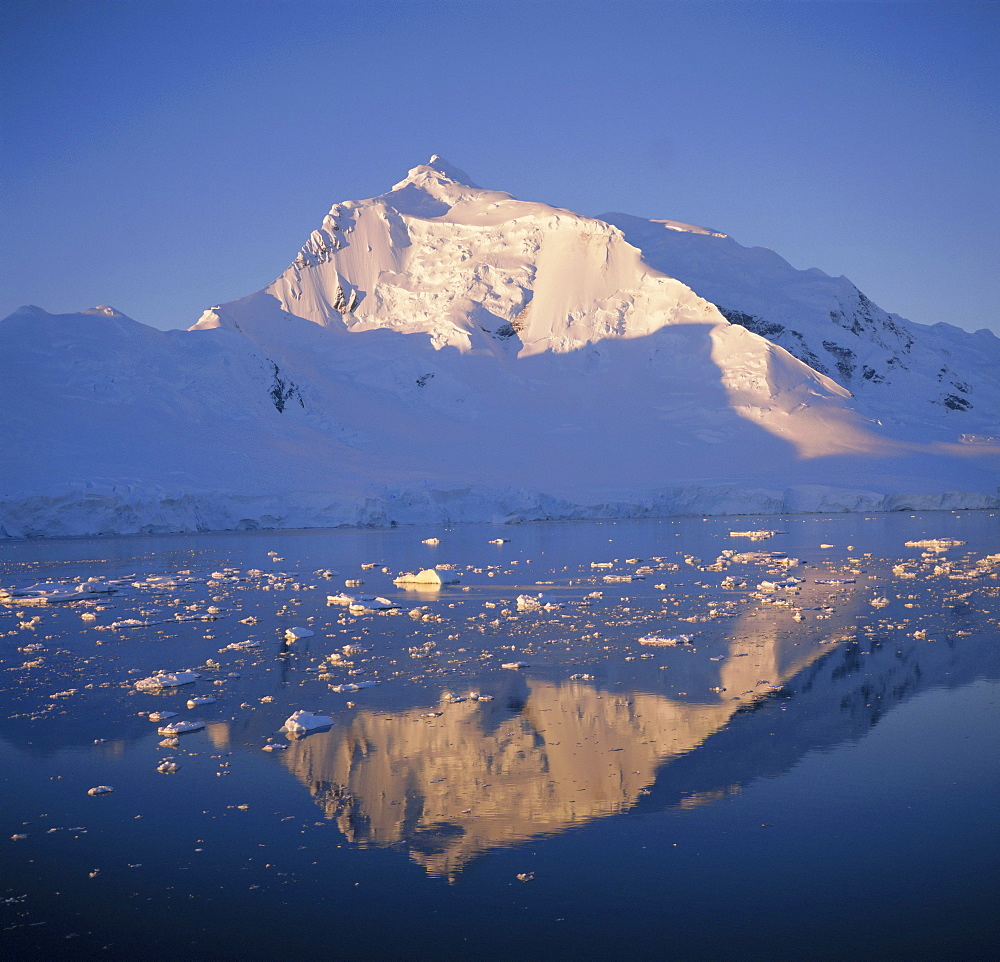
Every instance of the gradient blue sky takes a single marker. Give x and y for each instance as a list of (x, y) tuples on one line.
[(166, 156)]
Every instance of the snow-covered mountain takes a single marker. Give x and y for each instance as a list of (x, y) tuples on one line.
[(445, 352), (896, 369)]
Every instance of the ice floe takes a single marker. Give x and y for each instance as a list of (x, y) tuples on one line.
[(302, 721), (539, 602), (661, 641), (426, 578), (180, 727), (158, 716), (167, 679)]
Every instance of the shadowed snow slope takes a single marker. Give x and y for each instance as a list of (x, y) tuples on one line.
[(444, 352)]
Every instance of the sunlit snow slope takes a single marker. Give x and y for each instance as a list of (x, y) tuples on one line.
[(444, 352)]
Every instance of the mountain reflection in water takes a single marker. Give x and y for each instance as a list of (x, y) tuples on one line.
[(542, 757)]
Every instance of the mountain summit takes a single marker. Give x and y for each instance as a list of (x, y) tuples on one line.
[(447, 352)]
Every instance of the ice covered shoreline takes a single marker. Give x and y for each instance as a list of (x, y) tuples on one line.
[(133, 510)]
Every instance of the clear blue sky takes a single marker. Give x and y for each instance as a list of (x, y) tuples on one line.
[(166, 156)]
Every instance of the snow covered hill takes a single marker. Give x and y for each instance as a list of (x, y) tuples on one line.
[(901, 372), (444, 352)]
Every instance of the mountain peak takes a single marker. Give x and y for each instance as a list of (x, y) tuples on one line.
[(437, 172)]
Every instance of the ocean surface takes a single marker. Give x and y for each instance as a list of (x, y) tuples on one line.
[(697, 738)]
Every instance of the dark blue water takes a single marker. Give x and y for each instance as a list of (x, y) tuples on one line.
[(808, 775)]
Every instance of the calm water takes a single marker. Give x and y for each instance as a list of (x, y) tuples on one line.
[(803, 774)]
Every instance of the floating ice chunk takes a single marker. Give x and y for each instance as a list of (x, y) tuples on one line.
[(200, 700), (431, 541), (294, 634), (537, 602), (660, 641), (500, 541), (100, 790), (514, 665), (346, 599), (754, 535), (936, 544), (426, 578), (158, 716), (180, 728), (301, 721), (581, 677), (372, 604), (240, 646), (775, 585), (168, 767), (525, 876), (880, 602), (167, 679), (274, 747), (836, 581)]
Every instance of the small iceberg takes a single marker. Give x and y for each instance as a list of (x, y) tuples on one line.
[(658, 641), (301, 722), (180, 728), (294, 634), (167, 679), (240, 646), (158, 716), (200, 700), (371, 604), (537, 602), (100, 790), (345, 599), (427, 578)]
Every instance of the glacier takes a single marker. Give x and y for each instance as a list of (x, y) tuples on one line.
[(447, 353)]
